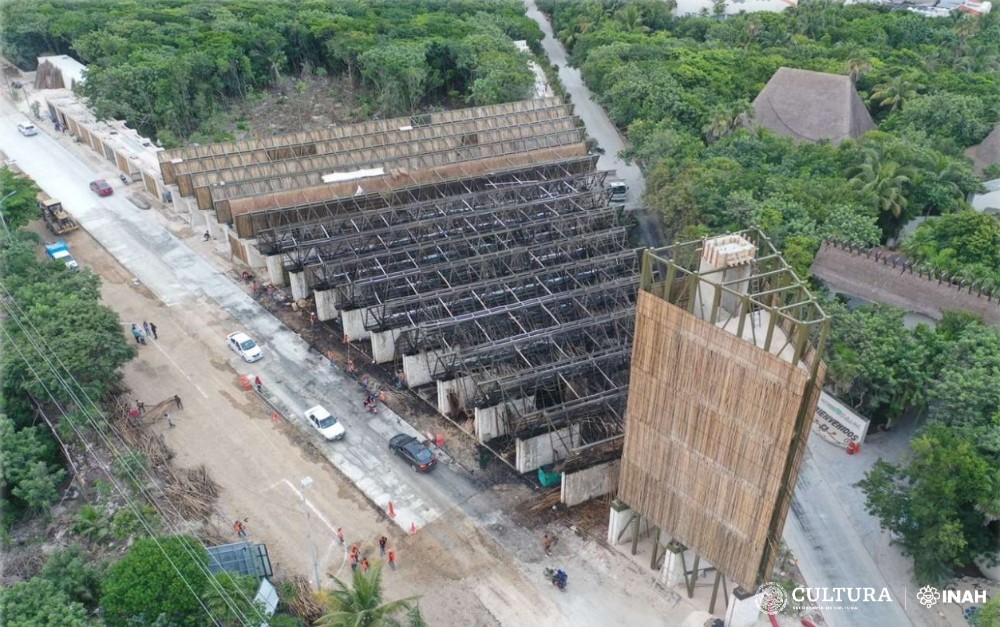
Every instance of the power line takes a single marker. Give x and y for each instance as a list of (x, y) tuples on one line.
[(44, 353)]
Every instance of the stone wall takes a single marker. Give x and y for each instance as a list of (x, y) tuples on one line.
[(882, 276)]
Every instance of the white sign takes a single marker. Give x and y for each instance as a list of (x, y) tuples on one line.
[(838, 424)]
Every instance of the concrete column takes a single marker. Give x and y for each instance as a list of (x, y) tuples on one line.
[(299, 287), (461, 386), (743, 609), (417, 368), (326, 304), (384, 345), (673, 566), (354, 324), (276, 269), (254, 259), (619, 516)]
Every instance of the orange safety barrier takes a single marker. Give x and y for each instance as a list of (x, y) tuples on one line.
[(245, 382)]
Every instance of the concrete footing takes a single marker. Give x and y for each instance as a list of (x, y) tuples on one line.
[(275, 269), (454, 395), (384, 345), (326, 304), (418, 368), (490, 422), (583, 485), (354, 324), (533, 453), (743, 610), (300, 289)]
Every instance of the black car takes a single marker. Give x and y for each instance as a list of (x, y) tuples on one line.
[(414, 452)]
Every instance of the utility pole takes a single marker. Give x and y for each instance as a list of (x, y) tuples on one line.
[(3, 219), (305, 483)]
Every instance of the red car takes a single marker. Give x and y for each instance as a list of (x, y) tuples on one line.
[(101, 188)]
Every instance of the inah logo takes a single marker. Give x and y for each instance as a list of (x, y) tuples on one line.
[(771, 598), (928, 596)]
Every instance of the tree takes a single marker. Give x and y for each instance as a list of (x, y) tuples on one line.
[(884, 181), (895, 93), (21, 207), (76, 574), (938, 505), (363, 604), (875, 363), (39, 603), (92, 524), (27, 467), (165, 575), (230, 600)]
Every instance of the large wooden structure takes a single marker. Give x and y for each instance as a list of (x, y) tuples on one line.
[(725, 380)]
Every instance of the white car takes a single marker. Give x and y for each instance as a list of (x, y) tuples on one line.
[(328, 426), (245, 347), (27, 129)]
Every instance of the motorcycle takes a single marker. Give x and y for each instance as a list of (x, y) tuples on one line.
[(558, 577)]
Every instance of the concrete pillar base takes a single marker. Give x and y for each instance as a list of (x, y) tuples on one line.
[(275, 269), (619, 516), (354, 324), (299, 288), (326, 304), (384, 345), (743, 610)]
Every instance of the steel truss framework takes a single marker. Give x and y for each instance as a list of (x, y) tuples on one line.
[(453, 301), (367, 218), (450, 273), (490, 326), (267, 224)]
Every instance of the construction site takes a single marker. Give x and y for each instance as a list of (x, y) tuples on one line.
[(472, 252)]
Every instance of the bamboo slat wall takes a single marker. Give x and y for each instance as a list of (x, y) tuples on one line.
[(709, 429)]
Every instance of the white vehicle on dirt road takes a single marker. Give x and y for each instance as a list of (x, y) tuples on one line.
[(328, 426), (27, 129), (245, 347)]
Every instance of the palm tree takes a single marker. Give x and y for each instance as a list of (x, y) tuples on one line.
[(895, 93), (724, 120), (885, 180), (92, 524), (857, 67), (364, 606)]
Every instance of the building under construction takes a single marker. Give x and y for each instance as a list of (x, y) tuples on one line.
[(726, 374), (474, 251)]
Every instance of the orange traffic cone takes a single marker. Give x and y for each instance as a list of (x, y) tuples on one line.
[(275, 416), (392, 510)]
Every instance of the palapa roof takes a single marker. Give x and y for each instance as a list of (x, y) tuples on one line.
[(812, 106), (986, 153)]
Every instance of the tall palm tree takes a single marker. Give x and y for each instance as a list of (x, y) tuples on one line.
[(362, 604), (723, 120), (886, 181), (858, 67), (895, 93)]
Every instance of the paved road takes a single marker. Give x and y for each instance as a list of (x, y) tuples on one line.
[(296, 378), (598, 125), (818, 529)]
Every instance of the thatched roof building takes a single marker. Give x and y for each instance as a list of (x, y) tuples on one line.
[(812, 106), (986, 153)]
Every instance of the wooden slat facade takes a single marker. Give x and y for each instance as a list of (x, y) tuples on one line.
[(709, 431)]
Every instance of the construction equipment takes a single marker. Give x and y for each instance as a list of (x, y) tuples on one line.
[(56, 218)]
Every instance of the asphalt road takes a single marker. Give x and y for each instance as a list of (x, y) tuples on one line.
[(294, 378), (817, 529)]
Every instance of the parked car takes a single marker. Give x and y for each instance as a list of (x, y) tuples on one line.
[(328, 426), (245, 347), (101, 188), (414, 452), (27, 129)]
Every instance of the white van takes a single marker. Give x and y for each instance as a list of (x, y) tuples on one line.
[(27, 129), (618, 189)]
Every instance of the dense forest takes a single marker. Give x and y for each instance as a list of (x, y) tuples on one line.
[(168, 66), (681, 89)]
